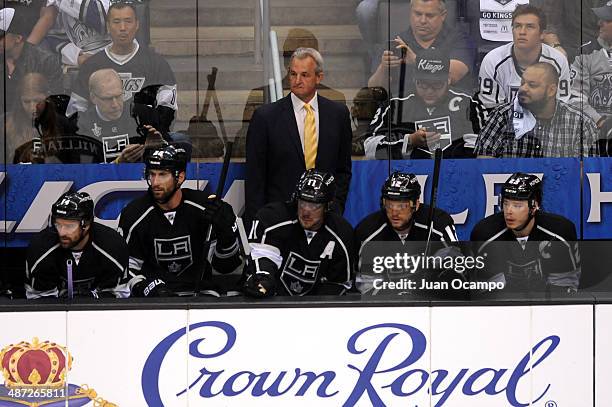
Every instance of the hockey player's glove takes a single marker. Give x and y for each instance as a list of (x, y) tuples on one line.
[(260, 286), (222, 217), (150, 288), (5, 292)]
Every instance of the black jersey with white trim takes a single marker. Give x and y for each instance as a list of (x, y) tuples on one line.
[(101, 265), (302, 262), (169, 245), (550, 257), (500, 75), (375, 237)]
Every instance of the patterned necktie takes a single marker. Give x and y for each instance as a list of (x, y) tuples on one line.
[(310, 138)]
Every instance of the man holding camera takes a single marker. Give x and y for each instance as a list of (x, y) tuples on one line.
[(75, 256)]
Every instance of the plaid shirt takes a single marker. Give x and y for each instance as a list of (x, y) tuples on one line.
[(558, 137)]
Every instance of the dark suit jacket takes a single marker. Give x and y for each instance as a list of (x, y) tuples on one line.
[(274, 155)]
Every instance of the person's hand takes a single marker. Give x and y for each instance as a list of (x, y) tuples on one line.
[(131, 153), (154, 138), (221, 215), (410, 56), (389, 59), (260, 285), (424, 138), (83, 57)]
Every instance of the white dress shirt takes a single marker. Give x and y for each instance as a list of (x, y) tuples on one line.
[(300, 115)]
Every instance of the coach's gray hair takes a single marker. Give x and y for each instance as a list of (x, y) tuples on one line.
[(302, 53), (442, 3)]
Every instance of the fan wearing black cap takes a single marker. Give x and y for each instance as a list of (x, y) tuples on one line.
[(166, 229), (434, 115), (301, 247), (75, 256), (538, 250), (21, 57), (401, 225)]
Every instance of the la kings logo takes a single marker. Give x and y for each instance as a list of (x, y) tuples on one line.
[(503, 2), (130, 85), (299, 274), (174, 254), (114, 145), (440, 125)]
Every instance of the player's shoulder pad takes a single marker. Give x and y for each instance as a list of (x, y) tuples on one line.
[(441, 218), (558, 225), (370, 224), (135, 209), (275, 213), (43, 240), (339, 225), (195, 196), (488, 227)]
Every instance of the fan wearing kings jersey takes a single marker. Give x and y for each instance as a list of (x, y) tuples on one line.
[(75, 256), (166, 230), (524, 247), (399, 226), (300, 247), (137, 66), (502, 68)]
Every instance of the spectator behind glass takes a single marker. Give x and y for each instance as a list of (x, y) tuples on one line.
[(22, 138), (108, 119), (501, 70), (40, 17), (137, 66), (20, 57), (428, 29), (80, 30)]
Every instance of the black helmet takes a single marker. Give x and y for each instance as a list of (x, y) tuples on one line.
[(170, 158), (401, 186), (523, 187), (315, 186), (73, 205)]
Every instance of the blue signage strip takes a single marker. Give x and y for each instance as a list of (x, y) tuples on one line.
[(468, 189)]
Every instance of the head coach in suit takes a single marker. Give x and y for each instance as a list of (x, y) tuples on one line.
[(300, 131)]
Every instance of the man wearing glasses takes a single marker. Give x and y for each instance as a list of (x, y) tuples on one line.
[(75, 256), (137, 65), (301, 247), (524, 247), (108, 119), (400, 226), (502, 68), (434, 115)]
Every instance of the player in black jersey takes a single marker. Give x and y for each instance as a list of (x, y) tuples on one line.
[(524, 247), (301, 247), (400, 226), (75, 256), (166, 230)]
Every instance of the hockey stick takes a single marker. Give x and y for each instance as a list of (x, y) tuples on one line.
[(220, 185), (433, 197)]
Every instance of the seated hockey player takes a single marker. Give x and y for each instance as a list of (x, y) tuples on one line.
[(525, 247), (75, 256), (301, 247), (165, 230), (400, 228)]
